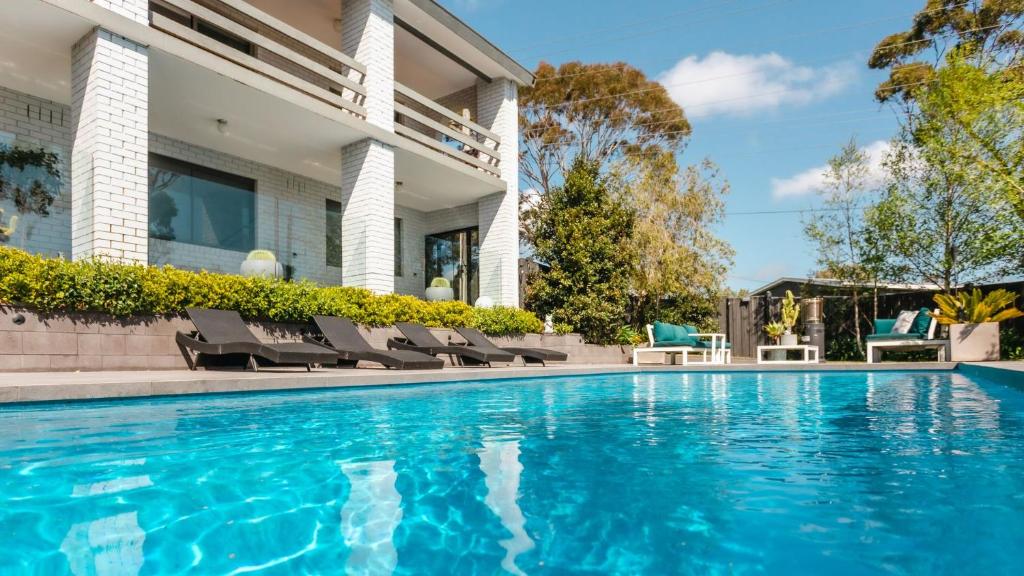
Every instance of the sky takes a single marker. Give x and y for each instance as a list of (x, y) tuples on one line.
[(773, 89)]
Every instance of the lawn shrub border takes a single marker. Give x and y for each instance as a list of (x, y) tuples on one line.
[(54, 284)]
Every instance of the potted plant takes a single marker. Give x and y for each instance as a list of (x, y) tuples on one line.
[(973, 322), (790, 313), (775, 330), (440, 290)]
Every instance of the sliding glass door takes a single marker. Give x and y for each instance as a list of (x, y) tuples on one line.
[(455, 256)]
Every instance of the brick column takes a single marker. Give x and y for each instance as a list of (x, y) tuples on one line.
[(368, 166), (110, 147), (498, 109), (137, 10)]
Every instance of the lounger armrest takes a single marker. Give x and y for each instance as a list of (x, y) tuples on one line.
[(402, 344)]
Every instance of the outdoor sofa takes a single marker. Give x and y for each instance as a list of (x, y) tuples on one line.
[(920, 336), (418, 338), (222, 339), (671, 339), (476, 339), (342, 336)]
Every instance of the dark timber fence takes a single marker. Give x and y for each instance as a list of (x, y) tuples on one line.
[(742, 320)]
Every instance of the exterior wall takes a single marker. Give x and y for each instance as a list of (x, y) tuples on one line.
[(290, 217), (109, 156), (137, 10), (368, 35), (368, 216), (465, 99), (33, 122)]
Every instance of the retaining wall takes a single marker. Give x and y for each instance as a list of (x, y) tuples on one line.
[(30, 341)]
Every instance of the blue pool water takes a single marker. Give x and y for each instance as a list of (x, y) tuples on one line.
[(819, 473)]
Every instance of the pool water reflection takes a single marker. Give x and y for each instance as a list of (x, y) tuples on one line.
[(838, 472)]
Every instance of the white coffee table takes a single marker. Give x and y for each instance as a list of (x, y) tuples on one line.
[(810, 354)]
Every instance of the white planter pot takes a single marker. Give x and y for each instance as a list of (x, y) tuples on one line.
[(439, 294), (974, 342), (790, 339), (262, 268)]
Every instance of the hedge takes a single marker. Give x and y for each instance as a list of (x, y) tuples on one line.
[(53, 284)]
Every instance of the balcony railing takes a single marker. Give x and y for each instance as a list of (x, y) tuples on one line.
[(431, 124), (244, 35)]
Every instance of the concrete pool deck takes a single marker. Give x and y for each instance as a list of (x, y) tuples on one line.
[(18, 387)]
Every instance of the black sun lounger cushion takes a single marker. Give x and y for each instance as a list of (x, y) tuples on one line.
[(419, 339), (477, 339)]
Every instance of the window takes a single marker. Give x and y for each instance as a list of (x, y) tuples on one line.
[(398, 246), (202, 26), (198, 205), (454, 256), (333, 232)]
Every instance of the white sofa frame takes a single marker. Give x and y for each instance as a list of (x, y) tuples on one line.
[(719, 353), (876, 347)]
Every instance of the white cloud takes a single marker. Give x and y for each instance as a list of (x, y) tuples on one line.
[(738, 84), (811, 180)]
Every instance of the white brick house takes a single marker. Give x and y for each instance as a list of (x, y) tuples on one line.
[(365, 143)]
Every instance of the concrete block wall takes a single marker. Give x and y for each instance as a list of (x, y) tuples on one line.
[(31, 122), (33, 342), (109, 156), (368, 36), (137, 10)]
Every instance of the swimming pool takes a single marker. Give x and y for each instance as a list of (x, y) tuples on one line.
[(658, 473)]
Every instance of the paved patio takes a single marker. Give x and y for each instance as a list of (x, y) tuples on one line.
[(51, 386)]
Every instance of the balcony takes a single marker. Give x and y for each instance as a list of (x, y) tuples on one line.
[(425, 121), (238, 32)]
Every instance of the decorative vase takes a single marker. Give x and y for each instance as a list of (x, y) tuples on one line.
[(484, 302), (790, 339), (263, 264), (974, 342), (777, 355), (439, 294)]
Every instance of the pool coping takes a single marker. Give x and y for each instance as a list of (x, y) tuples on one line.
[(21, 387)]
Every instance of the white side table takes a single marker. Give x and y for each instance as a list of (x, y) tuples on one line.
[(810, 354)]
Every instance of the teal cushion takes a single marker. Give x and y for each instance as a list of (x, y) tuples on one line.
[(664, 332), (690, 329), (707, 344), (921, 322), (884, 325), (908, 336), (682, 342)]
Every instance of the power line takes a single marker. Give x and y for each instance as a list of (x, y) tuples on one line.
[(766, 40), (659, 86)]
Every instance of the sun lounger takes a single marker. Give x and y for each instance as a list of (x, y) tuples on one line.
[(917, 338), (477, 339), (342, 336), (222, 338), (419, 339)]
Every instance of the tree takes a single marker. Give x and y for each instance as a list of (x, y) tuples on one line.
[(983, 29), (582, 229), (975, 114), (598, 112), (939, 222), (673, 255), (844, 251)]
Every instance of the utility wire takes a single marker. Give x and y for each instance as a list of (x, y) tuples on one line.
[(660, 86), (783, 37)]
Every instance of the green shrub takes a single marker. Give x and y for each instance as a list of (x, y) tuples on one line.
[(505, 320), (51, 284)]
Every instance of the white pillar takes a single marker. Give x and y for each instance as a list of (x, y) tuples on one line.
[(498, 109), (368, 166), (110, 147)]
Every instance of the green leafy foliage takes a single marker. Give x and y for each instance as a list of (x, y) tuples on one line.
[(790, 311), (582, 230), (629, 336), (973, 308), (51, 284), (775, 330), (562, 328)]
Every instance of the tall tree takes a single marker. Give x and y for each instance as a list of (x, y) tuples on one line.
[(844, 252), (974, 113), (598, 112), (582, 228), (673, 252), (986, 29), (939, 220)]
